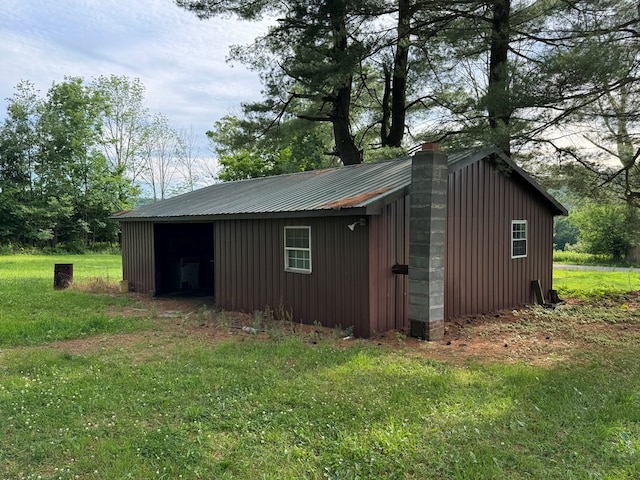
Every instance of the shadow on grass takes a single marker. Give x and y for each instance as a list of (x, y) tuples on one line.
[(288, 409)]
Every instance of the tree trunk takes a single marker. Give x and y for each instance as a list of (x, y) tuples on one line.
[(346, 148), (399, 81), (385, 122), (498, 101)]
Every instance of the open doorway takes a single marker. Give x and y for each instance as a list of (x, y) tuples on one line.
[(184, 259)]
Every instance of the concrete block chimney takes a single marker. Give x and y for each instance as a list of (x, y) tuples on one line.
[(427, 242)]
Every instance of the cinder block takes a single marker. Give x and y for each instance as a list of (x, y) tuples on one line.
[(428, 223)]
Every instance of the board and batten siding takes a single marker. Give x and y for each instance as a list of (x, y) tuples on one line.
[(388, 245), (250, 275), (138, 257), (481, 276)]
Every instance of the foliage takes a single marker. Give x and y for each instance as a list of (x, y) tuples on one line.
[(123, 131), (606, 108), (464, 72), (329, 62), (565, 233), (293, 148), (18, 158), (72, 158), (54, 180), (607, 229)]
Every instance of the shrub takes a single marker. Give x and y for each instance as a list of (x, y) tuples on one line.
[(607, 229)]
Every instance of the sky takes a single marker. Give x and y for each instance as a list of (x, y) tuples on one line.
[(180, 59)]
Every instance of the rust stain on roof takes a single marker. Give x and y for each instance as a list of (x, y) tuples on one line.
[(355, 200), (121, 212)]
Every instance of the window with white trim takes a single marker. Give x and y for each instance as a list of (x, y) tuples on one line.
[(297, 249), (518, 238)]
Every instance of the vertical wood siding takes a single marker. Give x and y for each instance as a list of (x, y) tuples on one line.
[(249, 270), (138, 257), (480, 275), (389, 244)]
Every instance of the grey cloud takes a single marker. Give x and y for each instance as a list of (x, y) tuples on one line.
[(180, 59)]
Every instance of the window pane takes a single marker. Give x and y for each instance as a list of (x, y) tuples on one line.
[(518, 238), (519, 231), (298, 259), (297, 246), (297, 237), (519, 248)]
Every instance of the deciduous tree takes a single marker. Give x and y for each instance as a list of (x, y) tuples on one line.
[(56, 184), (160, 147), (294, 147), (19, 142), (123, 129)]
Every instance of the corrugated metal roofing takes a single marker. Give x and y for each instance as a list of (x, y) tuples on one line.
[(343, 190)]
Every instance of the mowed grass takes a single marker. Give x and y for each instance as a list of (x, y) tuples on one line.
[(170, 404), (291, 410), (593, 284), (32, 312)]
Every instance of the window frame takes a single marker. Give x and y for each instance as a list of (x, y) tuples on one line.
[(515, 239), (287, 249)]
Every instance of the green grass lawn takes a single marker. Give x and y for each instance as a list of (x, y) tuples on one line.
[(591, 283), (165, 403), (32, 312)]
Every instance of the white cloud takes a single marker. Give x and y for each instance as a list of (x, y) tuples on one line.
[(179, 59)]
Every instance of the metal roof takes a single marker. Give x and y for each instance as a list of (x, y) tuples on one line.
[(350, 190)]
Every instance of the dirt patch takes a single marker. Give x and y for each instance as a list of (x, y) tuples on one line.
[(531, 335), (537, 335)]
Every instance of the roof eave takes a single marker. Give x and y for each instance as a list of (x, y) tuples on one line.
[(337, 212)]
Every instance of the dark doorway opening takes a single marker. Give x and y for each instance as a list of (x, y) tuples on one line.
[(184, 259)]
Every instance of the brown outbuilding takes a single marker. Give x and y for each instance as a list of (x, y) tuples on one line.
[(402, 244)]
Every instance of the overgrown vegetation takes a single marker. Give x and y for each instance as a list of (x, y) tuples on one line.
[(604, 230), (175, 402), (572, 257)]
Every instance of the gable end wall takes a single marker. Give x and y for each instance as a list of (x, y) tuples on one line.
[(480, 275)]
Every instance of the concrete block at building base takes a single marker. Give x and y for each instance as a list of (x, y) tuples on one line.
[(431, 331)]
